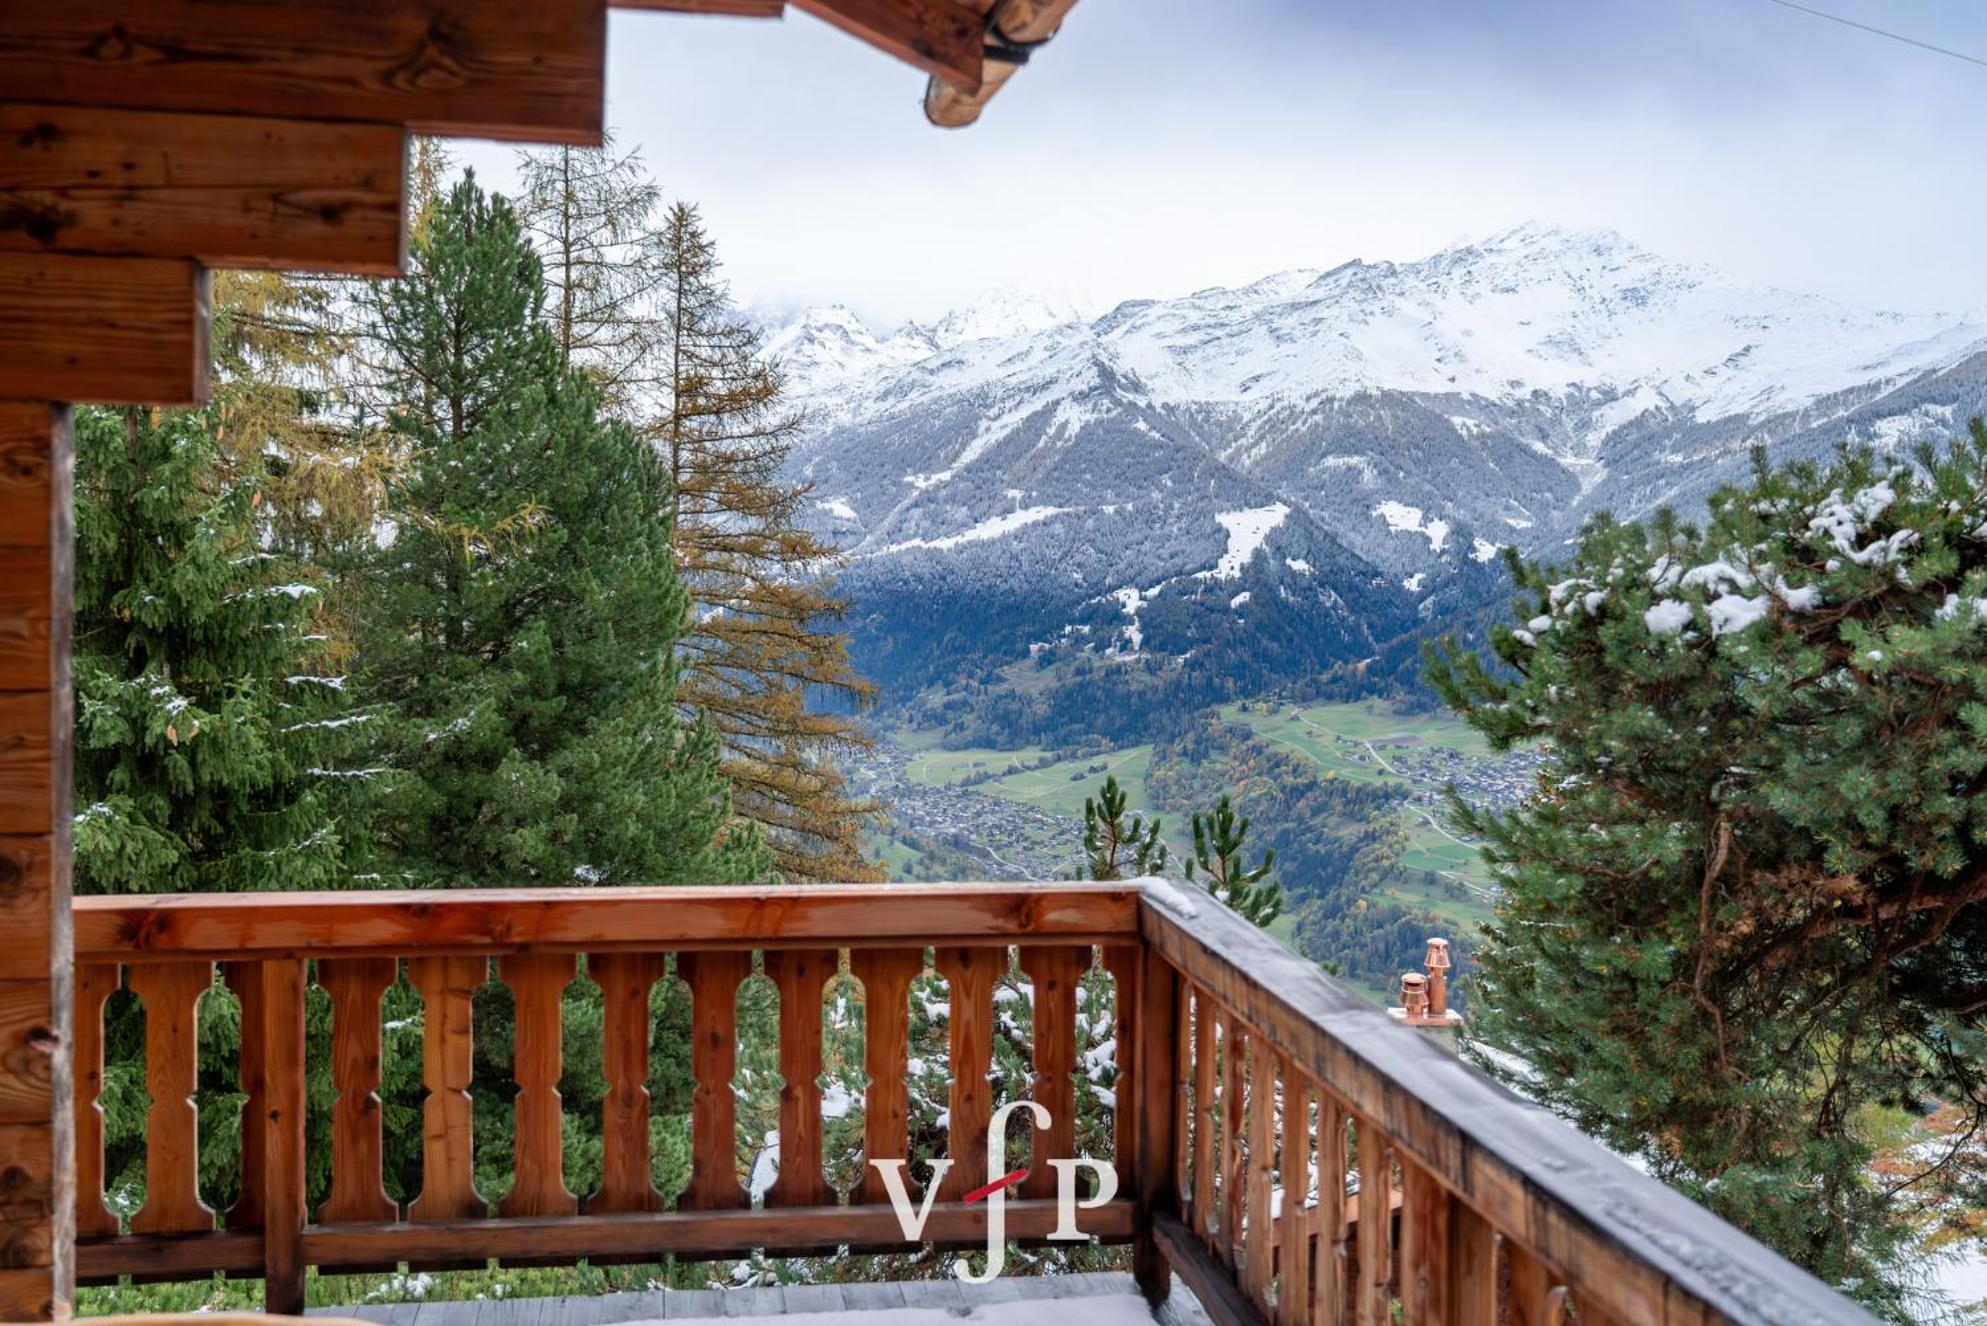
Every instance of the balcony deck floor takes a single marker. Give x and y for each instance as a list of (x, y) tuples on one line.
[(1101, 1299)]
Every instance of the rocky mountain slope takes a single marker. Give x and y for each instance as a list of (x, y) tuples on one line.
[(1317, 460)]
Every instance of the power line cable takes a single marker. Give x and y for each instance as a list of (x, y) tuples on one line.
[(1880, 32)]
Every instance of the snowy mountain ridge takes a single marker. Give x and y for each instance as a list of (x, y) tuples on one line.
[(1409, 417)]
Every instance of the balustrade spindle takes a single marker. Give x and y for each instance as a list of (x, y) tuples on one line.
[(171, 991), (1207, 1116), (1293, 1287), (1257, 1231), (800, 975), (1235, 1068), (94, 984), (355, 987), (244, 980), (886, 976), (1332, 1278), (626, 981), (1473, 1295), (1054, 973), (1424, 1260), (538, 982), (1375, 1293), (970, 974), (714, 978), (1123, 962), (448, 1056)]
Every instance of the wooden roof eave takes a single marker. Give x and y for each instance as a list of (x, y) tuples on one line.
[(1012, 27)]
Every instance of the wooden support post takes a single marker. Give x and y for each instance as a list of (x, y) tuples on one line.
[(1159, 1091), (283, 1135), (37, 1119)]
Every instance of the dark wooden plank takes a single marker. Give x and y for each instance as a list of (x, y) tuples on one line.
[(1234, 1065), (94, 985), (26, 864), (358, 1185), (171, 992), (448, 1159), (1639, 1245), (532, 71), (1373, 1301), (625, 981), (1053, 971), (944, 38), (537, 982), (582, 920), (117, 330), (32, 1165), (886, 976), (1212, 1285), (1123, 962), (170, 1256), (713, 979), (800, 976), (970, 976), (655, 1234), (283, 1173), (228, 190), (1160, 1085), (27, 616)]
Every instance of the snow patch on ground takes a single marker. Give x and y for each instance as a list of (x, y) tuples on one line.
[(993, 527), (1414, 582), (836, 507), (1246, 532), (1482, 549), (1404, 519)]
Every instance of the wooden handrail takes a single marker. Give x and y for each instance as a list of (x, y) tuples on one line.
[(1504, 1211), (255, 926)]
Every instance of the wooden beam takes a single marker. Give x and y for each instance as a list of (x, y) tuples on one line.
[(229, 190), (953, 106), (942, 37), (530, 69), (118, 330), (37, 1146), (391, 923)]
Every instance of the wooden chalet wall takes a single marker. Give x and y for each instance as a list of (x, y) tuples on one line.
[(143, 142)]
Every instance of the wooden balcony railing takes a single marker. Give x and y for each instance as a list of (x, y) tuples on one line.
[(1280, 1144)]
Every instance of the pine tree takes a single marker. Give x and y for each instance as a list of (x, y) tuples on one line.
[(522, 620), (1749, 906), (1219, 837), (1115, 847), (209, 734), (637, 302)]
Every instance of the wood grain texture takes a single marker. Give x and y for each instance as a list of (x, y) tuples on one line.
[(1234, 1178), (27, 863), (244, 981), (1054, 971), (942, 37), (37, 468), (228, 190), (358, 1187), (283, 1169), (1294, 1221), (114, 330), (28, 616), (1374, 1296), (1259, 1236), (448, 1157), (713, 979), (533, 71), (886, 976), (94, 985), (537, 982), (33, 1047), (1331, 1279), (1425, 1248), (171, 993), (800, 975), (1473, 1298), (1160, 1084), (656, 1234), (31, 1169), (970, 975), (1124, 963), (1207, 1116), (1214, 1288), (581, 920), (625, 981)]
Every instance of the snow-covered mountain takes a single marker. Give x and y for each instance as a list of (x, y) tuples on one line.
[(1405, 420)]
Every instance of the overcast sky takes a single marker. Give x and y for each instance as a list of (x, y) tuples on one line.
[(1160, 146)]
